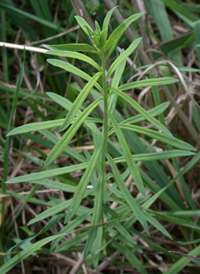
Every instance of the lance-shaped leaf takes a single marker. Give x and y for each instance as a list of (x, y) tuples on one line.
[(74, 47), (55, 209), (111, 43), (36, 127), (84, 25), (71, 242), (154, 156), (141, 110), (76, 55), (156, 224), (159, 136), (106, 24), (59, 207), (47, 173), (127, 154), (50, 124), (117, 33), (127, 196), (122, 57), (69, 134), (66, 104), (55, 185), (70, 68), (154, 112), (82, 186), (71, 226), (79, 101), (112, 100), (149, 83)]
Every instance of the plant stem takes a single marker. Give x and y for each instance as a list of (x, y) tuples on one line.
[(104, 133)]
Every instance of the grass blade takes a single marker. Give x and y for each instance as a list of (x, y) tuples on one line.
[(181, 263)]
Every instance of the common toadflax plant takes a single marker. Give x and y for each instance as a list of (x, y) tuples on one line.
[(105, 222)]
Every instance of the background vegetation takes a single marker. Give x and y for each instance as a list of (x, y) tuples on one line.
[(31, 213)]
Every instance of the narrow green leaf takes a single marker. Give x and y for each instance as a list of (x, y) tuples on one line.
[(181, 213), (112, 41), (127, 196), (106, 24), (159, 136), (74, 47), (189, 242), (96, 218), (180, 9), (125, 234), (149, 83), (70, 227), (187, 167), (47, 174), (96, 246), (66, 104), (127, 154), (122, 57), (82, 186), (84, 25), (181, 263), (68, 150), (158, 11), (153, 156), (130, 256), (69, 134), (26, 253), (179, 221), (154, 112), (61, 206), (19, 12), (118, 72), (117, 33), (156, 224), (55, 185), (141, 110), (71, 242), (112, 100), (35, 127), (79, 101), (62, 101), (70, 68), (76, 55)]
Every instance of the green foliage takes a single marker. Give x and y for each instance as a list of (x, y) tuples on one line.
[(102, 183)]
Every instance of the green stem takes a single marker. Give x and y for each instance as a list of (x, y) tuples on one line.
[(105, 125), (104, 135)]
